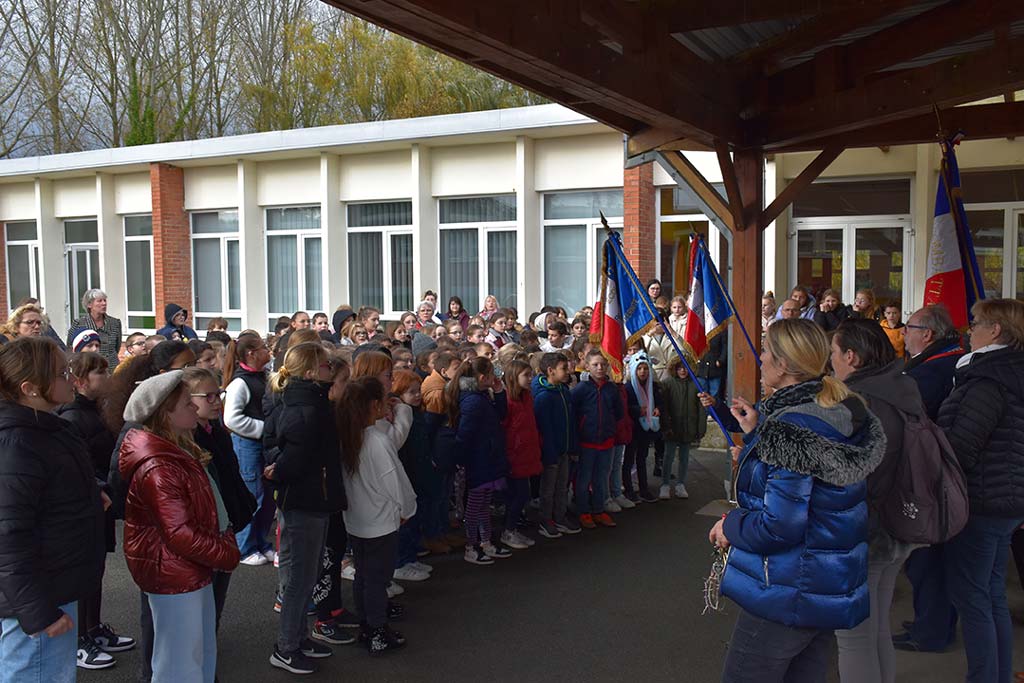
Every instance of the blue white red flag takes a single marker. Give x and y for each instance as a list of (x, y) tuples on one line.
[(710, 310), (952, 278)]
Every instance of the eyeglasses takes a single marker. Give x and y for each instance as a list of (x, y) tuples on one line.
[(975, 323), (211, 397), (137, 343), (33, 323)]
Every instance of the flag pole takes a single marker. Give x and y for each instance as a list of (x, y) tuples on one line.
[(728, 298), (614, 239)]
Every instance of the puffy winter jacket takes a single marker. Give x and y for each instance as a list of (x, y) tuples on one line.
[(238, 501), (433, 392), (984, 420), (522, 440), (597, 408), (172, 542), (624, 426), (51, 518), (84, 414), (683, 420), (552, 406), (307, 466), (479, 440), (799, 552), (933, 370), (714, 361), (186, 332)]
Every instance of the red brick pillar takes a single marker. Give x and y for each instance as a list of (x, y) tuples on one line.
[(172, 251), (640, 224), (4, 296)]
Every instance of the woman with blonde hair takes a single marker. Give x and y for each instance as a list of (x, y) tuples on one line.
[(25, 321), (305, 470), (864, 305), (797, 563)]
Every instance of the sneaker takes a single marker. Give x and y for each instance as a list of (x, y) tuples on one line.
[(277, 603), (567, 526), (109, 641), (604, 519), (394, 589), (277, 560), (681, 491), (90, 656), (382, 640), (476, 555), (332, 633), (271, 557), (315, 650), (633, 497), (523, 538), (611, 506), (511, 539), (344, 618), (295, 662), (624, 503), (648, 497), (254, 560), (408, 573), (548, 529), (422, 551), (494, 551), (587, 521), (665, 492), (421, 567), (348, 572), (395, 611)]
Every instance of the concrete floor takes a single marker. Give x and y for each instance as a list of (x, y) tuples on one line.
[(606, 605)]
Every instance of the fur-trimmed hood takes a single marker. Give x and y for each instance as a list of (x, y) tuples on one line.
[(840, 445)]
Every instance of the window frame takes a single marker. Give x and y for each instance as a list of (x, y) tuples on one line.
[(222, 238), (1011, 241), (301, 235), (386, 232), (34, 256), (71, 299), (139, 238)]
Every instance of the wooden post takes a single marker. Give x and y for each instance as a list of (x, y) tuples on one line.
[(747, 272)]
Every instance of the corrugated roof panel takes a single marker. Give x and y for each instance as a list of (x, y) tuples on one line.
[(725, 42)]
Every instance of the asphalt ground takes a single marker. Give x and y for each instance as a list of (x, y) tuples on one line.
[(605, 605)]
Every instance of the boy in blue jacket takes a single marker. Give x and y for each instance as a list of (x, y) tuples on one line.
[(552, 406), (597, 405)]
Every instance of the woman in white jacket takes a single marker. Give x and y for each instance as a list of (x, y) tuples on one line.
[(380, 500)]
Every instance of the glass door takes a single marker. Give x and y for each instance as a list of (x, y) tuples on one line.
[(878, 263), (83, 274), (1018, 276)]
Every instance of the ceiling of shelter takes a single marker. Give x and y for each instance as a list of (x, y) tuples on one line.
[(778, 75)]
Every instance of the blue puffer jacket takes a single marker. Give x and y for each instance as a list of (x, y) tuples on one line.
[(598, 409), (799, 538), (479, 438), (556, 422)]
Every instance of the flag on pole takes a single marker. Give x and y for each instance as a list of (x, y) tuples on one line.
[(623, 312), (710, 310), (952, 276)]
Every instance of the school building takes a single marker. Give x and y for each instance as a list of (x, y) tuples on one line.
[(503, 202)]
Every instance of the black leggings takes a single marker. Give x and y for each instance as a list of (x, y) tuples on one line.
[(89, 606), (375, 563), (636, 454), (327, 592)]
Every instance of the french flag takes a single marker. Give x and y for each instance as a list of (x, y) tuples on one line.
[(710, 310), (952, 277)]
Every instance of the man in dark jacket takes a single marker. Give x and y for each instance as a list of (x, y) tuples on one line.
[(933, 349), (176, 317)]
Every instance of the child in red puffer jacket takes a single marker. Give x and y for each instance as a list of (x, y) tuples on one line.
[(522, 450)]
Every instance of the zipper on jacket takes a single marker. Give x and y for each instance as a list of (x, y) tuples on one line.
[(323, 481), (767, 581)]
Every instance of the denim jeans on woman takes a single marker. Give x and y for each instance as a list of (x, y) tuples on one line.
[(866, 652), (254, 538), (763, 651), (976, 561), (24, 658), (303, 537), (184, 636)]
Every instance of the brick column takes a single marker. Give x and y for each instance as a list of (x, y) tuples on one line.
[(4, 296), (640, 224), (172, 251)]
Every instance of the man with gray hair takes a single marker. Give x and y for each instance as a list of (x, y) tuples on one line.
[(933, 348), (94, 301)]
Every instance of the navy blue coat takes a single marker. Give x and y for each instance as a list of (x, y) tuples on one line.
[(799, 537), (479, 439), (933, 371), (598, 410), (552, 406)]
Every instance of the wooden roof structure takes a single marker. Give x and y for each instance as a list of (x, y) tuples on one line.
[(743, 78)]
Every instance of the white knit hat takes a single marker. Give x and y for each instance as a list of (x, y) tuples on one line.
[(148, 396)]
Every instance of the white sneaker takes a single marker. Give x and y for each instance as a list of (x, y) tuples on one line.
[(348, 572), (409, 573), (394, 589), (523, 538), (624, 503), (421, 567), (254, 560), (510, 539), (681, 491), (495, 552), (611, 506), (665, 492), (271, 556)]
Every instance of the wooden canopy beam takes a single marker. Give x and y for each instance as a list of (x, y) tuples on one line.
[(747, 271), (897, 95), (799, 184), (732, 185), (704, 190)]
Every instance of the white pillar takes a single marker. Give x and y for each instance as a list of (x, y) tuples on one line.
[(425, 274), (111, 240), (333, 227), (925, 185), (52, 286), (530, 286), (253, 251), (771, 255), (776, 237)]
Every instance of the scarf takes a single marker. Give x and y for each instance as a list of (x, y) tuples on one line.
[(644, 394)]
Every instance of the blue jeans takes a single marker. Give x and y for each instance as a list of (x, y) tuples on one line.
[(592, 480), (671, 448), (713, 385), (976, 576), (763, 651), (615, 477), (516, 497), (303, 537), (26, 659), (184, 636), (255, 537), (934, 626)]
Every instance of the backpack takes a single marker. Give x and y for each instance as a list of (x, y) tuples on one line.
[(928, 499)]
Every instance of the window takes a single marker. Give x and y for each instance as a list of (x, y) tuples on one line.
[(22, 240), (294, 261), (679, 218), (138, 271), (215, 268), (994, 203), (884, 197), (82, 262), (380, 260), (478, 250), (573, 239)]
